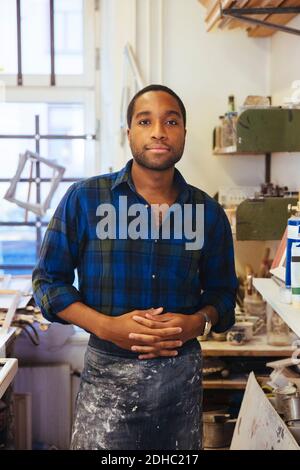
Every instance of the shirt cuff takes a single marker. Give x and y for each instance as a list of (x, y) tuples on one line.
[(56, 300), (226, 315)]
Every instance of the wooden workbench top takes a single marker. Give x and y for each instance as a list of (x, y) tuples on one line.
[(256, 347)]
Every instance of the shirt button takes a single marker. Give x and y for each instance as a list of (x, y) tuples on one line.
[(155, 241), (153, 276), (146, 205)]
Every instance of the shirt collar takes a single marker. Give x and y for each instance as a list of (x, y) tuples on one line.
[(124, 176)]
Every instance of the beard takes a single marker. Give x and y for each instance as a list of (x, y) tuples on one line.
[(159, 162)]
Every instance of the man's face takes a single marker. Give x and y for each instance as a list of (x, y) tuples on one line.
[(157, 133)]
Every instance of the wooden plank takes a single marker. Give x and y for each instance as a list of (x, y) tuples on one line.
[(268, 130), (262, 219), (205, 3), (214, 15), (278, 19), (236, 23), (257, 4), (252, 4), (213, 18), (235, 383), (8, 370)]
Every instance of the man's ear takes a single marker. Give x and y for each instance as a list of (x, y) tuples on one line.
[(128, 133)]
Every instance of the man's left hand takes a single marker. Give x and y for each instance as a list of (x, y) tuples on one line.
[(192, 326)]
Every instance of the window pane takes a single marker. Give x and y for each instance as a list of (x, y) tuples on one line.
[(9, 156), (66, 120), (35, 37), (61, 119), (17, 246), (68, 31), (35, 30), (19, 118), (11, 212), (8, 37)]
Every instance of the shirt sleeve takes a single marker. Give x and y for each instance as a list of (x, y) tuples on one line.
[(219, 281), (54, 274)]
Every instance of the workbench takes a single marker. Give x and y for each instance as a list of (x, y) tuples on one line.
[(257, 347), (8, 366)]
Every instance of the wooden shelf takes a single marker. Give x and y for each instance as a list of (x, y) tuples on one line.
[(225, 150), (235, 383), (270, 292), (6, 336), (256, 347), (214, 20), (232, 150), (8, 370)]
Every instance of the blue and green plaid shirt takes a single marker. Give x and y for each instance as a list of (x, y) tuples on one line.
[(116, 276)]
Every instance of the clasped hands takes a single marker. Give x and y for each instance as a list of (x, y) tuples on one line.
[(154, 334)]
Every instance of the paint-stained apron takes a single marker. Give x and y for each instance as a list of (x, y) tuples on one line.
[(128, 404)]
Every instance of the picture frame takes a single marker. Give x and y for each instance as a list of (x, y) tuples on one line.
[(42, 207)]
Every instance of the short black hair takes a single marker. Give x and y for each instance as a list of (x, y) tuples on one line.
[(130, 109)]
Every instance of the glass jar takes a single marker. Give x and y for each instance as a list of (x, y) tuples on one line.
[(229, 130), (278, 333)]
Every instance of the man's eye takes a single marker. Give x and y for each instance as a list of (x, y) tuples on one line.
[(172, 122), (144, 122)]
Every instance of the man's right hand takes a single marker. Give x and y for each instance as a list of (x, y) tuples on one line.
[(163, 340)]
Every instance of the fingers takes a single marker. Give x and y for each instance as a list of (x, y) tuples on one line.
[(166, 332), (145, 322), (155, 311), (161, 345), (152, 323), (150, 339), (160, 318)]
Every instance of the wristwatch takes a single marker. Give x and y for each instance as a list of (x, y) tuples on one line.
[(208, 324)]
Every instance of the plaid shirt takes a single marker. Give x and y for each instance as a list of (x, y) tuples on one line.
[(116, 276)]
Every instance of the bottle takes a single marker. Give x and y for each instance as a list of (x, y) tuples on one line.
[(218, 133), (231, 104), (227, 134), (293, 236), (295, 274)]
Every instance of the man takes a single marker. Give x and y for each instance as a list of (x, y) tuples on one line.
[(144, 298)]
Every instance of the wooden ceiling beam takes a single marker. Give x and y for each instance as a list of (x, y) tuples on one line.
[(214, 19)]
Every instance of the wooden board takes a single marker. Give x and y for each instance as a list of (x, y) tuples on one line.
[(234, 383), (259, 426), (257, 347), (262, 219), (213, 17), (260, 31), (268, 130)]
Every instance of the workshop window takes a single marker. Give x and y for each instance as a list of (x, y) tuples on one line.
[(47, 66)]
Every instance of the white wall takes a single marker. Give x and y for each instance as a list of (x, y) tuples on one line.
[(173, 48), (285, 68)]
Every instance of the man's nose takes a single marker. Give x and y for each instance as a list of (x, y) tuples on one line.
[(158, 131)]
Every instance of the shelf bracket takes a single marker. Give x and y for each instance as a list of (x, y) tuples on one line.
[(239, 13), (268, 168)]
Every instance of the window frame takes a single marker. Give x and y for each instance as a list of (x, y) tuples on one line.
[(87, 79), (78, 89)]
